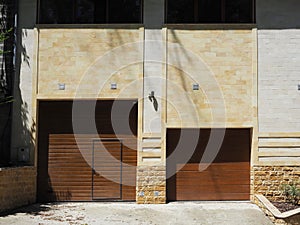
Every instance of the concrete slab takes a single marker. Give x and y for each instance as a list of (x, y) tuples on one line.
[(227, 213)]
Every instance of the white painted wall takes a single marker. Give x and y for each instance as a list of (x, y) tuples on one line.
[(278, 65), (22, 107), (154, 56)]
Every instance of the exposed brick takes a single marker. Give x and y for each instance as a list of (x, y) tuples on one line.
[(268, 180), (17, 187), (151, 185)]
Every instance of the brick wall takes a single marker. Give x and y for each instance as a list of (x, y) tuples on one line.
[(151, 185), (268, 180), (17, 187)]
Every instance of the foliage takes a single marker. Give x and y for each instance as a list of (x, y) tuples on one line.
[(292, 193), (4, 35), (4, 100)]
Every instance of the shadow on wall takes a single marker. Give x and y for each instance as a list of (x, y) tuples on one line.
[(278, 14), (23, 125)]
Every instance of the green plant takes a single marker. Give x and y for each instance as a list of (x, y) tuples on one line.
[(4, 35), (292, 193), (4, 100)]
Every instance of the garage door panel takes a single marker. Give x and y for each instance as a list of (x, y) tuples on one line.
[(128, 193), (226, 178), (211, 175), (69, 170), (65, 159), (200, 180), (212, 196), (72, 188), (208, 175), (57, 181), (212, 188), (216, 166), (106, 163), (67, 164), (105, 193)]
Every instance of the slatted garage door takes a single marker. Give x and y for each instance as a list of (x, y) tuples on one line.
[(227, 178), (90, 167)]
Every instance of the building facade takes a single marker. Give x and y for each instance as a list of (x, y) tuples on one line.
[(153, 101)]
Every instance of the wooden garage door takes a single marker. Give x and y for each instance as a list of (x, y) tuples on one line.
[(227, 178), (90, 167)]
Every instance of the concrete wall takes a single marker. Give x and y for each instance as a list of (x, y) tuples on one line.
[(278, 162), (276, 14), (278, 72), (151, 170), (17, 187), (279, 66), (23, 127)]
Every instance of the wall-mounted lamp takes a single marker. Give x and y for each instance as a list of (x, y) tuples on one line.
[(61, 86), (153, 100), (195, 87), (113, 86), (298, 87), (151, 95), (23, 155)]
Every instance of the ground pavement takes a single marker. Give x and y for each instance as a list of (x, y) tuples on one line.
[(227, 213)]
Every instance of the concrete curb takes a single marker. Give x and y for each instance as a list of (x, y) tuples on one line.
[(275, 212)]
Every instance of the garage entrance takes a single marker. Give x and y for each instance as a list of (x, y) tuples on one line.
[(226, 178), (87, 166)]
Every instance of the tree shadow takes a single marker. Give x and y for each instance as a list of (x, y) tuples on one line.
[(23, 126), (34, 209)]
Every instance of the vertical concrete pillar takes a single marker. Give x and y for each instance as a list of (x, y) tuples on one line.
[(151, 171), (23, 118)]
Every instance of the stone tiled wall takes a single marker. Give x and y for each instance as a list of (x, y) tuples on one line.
[(151, 185), (87, 61), (279, 149), (268, 180), (222, 62), (17, 187)]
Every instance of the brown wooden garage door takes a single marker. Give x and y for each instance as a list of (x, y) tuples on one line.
[(227, 178), (90, 167)]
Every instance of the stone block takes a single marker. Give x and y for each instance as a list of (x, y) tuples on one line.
[(268, 180), (17, 187)]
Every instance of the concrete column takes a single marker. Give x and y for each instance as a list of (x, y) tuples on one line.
[(151, 172), (23, 118)]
